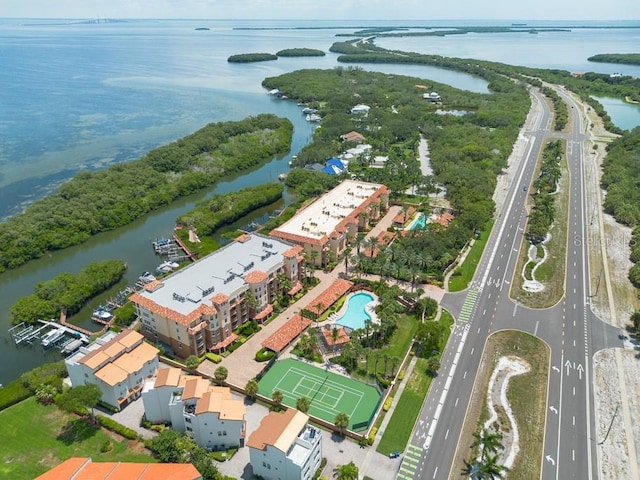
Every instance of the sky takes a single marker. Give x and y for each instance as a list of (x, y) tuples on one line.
[(326, 9)]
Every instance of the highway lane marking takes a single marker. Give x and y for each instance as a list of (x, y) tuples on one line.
[(573, 455), (465, 375), (574, 420), (446, 435), (472, 350), (435, 472), (456, 404)]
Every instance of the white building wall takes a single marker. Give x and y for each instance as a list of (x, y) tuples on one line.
[(156, 403), (212, 433)]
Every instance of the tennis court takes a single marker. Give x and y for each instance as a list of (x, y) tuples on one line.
[(330, 393)]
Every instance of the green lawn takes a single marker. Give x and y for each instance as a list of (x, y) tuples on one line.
[(399, 428), (35, 438), (464, 273)]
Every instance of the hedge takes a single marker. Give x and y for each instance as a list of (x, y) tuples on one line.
[(264, 355), (13, 393), (213, 357), (116, 427)]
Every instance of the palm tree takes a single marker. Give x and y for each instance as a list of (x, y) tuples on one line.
[(303, 404), (489, 442), (277, 396), (335, 334), (251, 388), (346, 472), (341, 421), (221, 374)]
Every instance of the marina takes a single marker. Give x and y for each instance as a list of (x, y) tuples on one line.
[(49, 334)]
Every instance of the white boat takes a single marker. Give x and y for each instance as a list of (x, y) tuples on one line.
[(51, 337), (102, 313), (146, 277)]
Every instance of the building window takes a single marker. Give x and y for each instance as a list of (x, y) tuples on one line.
[(189, 429)]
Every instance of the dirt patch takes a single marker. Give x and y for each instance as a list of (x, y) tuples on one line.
[(612, 447)]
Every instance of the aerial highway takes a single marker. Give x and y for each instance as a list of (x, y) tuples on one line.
[(570, 329)]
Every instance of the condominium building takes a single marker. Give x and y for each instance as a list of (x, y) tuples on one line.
[(326, 225), (196, 309), (285, 447), (192, 405), (118, 363)]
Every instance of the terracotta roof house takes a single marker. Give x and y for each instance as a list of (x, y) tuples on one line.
[(353, 136), (193, 405), (285, 447), (118, 363)]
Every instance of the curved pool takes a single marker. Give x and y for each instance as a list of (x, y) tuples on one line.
[(356, 313)]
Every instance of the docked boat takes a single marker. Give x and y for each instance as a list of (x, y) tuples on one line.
[(51, 337), (313, 117), (102, 313), (308, 110), (146, 277)]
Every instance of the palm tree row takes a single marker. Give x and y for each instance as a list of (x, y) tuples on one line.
[(486, 465)]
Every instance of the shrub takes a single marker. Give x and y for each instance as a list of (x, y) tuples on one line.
[(213, 357), (13, 393), (116, 427), (372, 435), (387, 403), (106, 446), (264, 355), (323, 463)]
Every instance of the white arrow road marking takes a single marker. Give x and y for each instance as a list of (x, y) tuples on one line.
[(556, 369), (553, 409), (550, 460), (580, 370), (568, 365)]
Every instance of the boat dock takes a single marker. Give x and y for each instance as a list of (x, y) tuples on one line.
[(25, 333)]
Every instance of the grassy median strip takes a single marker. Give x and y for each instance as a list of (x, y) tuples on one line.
[(36, 438), (463, 273), (527, 395), (551, 273)]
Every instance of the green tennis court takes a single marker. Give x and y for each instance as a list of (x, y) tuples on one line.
[(329, 392)]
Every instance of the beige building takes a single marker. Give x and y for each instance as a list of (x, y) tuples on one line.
[(326, 225), (118, 363), (285, 447), (192, 405), (196, 309)]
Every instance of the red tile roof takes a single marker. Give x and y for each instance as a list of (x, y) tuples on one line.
[(401, 217), (243, 238), (255, 276), (443, 219), (286, 333), (327, 298), (293, 251), (264, 313), (343, 338), (295, 289), (84, 469), (225, 343)]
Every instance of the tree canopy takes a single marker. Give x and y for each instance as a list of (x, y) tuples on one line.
[(94, 202)]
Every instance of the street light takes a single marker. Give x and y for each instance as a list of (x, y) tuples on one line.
[(611, 424)]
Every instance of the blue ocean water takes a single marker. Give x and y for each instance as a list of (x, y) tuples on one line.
[(82, 96)]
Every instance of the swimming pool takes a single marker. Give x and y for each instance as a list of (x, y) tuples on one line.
[(419, 223), (356, 313)]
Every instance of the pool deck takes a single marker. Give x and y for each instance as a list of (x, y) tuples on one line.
[(334, 318)]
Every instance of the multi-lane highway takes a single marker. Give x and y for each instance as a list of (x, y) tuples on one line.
[(570, 329)]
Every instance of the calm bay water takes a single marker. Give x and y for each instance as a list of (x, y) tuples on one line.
[(82, 96)]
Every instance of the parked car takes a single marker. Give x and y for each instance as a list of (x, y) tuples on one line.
[(394, 454)]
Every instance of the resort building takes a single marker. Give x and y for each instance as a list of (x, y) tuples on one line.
[(196, 309), (192, 405), (325, 227), (285, 447), (353, 136), (118, 363), (79, 468)]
